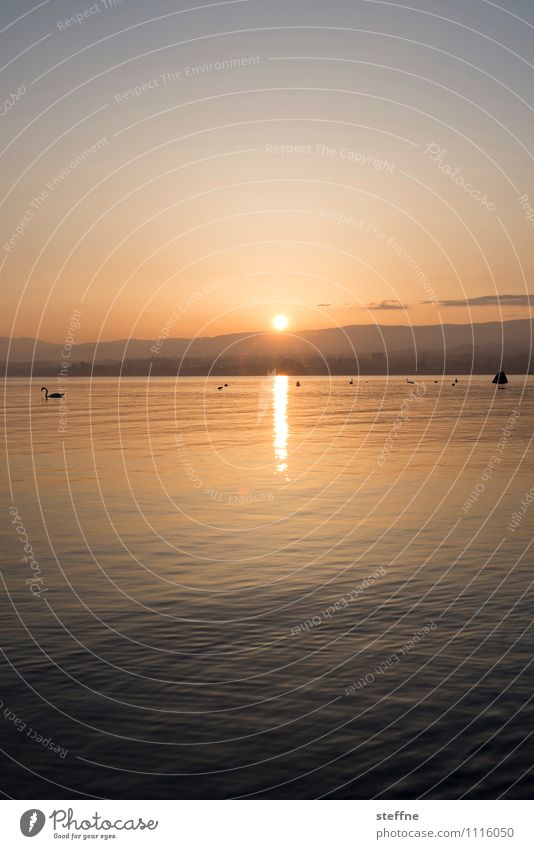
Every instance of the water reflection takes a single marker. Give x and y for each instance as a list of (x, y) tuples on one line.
[(280, 386)]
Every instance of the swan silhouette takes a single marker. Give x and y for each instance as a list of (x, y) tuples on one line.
[(52, 394)]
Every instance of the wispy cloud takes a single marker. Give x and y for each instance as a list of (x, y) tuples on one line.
[(508, 300), (380, 305), (387, 305), (488, 301), (339, 304)]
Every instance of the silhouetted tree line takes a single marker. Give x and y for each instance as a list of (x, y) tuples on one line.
[(457, 361)]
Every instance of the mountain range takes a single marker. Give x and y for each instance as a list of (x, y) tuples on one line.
[(382, 341)]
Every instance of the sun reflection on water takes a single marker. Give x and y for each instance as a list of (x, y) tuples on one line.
[(280, 386)]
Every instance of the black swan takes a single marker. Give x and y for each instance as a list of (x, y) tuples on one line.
[(52, 394)]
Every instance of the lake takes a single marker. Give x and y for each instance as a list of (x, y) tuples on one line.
[(268, 590)]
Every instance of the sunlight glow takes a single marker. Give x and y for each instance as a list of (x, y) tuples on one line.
[(280, 322), (280, 385)]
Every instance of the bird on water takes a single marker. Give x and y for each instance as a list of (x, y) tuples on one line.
[(51, 394)]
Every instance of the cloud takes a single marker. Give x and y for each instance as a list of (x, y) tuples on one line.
[(488, 301), (481, 301), (387, 305), (341, 305), (381, 305)]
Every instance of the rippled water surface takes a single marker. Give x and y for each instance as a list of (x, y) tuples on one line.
[(268, 590)]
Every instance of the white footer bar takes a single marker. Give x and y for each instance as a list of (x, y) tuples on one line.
[(269, 824)]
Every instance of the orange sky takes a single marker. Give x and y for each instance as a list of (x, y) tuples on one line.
[(378, 184)]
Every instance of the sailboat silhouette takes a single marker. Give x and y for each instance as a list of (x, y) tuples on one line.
[(500, 378)]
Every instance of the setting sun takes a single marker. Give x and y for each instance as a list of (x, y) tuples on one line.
[(280, 322)]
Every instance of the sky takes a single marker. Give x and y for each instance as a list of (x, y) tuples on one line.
[(221, 163)]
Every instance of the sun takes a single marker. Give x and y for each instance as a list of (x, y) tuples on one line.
[(280, 322)]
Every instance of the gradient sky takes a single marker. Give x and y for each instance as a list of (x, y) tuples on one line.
[(318, 168)]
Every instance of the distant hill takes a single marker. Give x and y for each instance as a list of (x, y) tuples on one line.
[(509, 337)]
